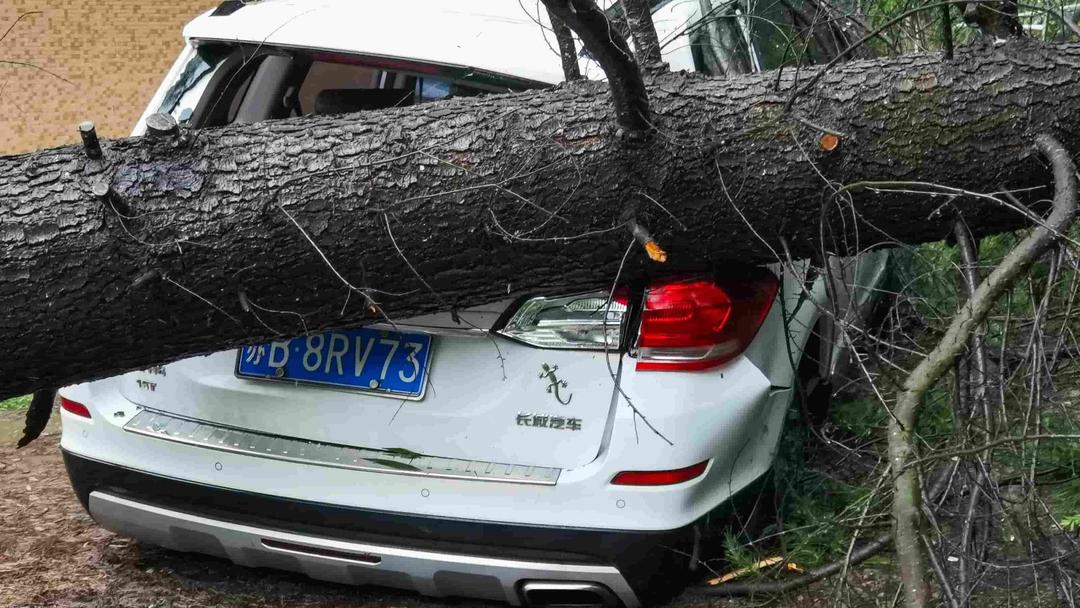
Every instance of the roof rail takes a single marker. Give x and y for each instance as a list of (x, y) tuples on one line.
[(229, 7)]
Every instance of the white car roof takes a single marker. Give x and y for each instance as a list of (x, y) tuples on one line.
[(500, 36)]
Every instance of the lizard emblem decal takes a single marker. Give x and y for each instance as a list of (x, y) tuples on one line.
[(554, 383)]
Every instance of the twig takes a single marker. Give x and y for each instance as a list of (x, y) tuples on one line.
[(856, 557), (902, 16), (607, 351), (202, 299), (943, 578), (16, 22), (946, 31), (993, 444)]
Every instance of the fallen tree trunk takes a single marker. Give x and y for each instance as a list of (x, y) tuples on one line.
[(168, 248)]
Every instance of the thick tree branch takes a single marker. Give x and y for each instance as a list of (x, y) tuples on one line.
[(605, 44), (37, 416), (646, 43), (163, 249), (907, 496), (567, 49)]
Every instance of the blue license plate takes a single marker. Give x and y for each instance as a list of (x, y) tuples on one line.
[(367, 360)]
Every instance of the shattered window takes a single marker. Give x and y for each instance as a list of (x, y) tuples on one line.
[(184, 94)]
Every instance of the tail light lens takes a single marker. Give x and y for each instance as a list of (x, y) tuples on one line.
[(74, 407), (659, 478), (696, 323), (586, 321)]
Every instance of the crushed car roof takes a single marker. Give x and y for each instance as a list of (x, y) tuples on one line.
[(500, 36)]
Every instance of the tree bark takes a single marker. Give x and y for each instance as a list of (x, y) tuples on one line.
[(245, 233), (646, 44)]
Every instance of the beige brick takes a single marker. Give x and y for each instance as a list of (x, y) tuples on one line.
[(112, 53)]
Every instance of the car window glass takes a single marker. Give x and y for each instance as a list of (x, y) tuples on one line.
[(314, 82), (431, 89), (244, 78), (181, 98), (345, 84), (325, 75)]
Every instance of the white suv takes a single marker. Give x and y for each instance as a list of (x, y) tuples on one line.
[(548, 449)]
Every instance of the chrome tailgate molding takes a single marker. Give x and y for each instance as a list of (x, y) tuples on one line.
[(177, 429)]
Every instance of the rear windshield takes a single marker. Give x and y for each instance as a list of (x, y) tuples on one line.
[(224, 84)]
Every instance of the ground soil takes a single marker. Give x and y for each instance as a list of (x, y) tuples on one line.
[(52, 554)]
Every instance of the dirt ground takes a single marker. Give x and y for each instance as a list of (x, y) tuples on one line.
[(52, 554)]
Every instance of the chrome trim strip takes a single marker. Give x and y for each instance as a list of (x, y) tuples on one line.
[(198, 433), (419, 570), (364, 559)]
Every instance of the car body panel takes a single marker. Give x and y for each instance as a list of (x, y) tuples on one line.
[(476, 389), (713, 426)]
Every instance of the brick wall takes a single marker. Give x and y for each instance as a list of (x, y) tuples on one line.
[(114, 54)]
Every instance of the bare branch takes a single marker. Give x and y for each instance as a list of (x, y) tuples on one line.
[(37, 415), (610, 49), (646, 44), (16, 22), (567, 49), (907, 496), (856, 557)]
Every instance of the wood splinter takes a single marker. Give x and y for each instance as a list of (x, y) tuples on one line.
[(828, 141), (145, 278), (653, 249)]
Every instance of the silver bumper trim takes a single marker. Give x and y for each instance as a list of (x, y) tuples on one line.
[(430, 573), (169, 427)]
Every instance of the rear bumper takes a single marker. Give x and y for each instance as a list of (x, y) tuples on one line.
[(429, 572), (434, 556)]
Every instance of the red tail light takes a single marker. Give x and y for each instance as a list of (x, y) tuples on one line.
[(659, 478), (694, 324), (74, 407)]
